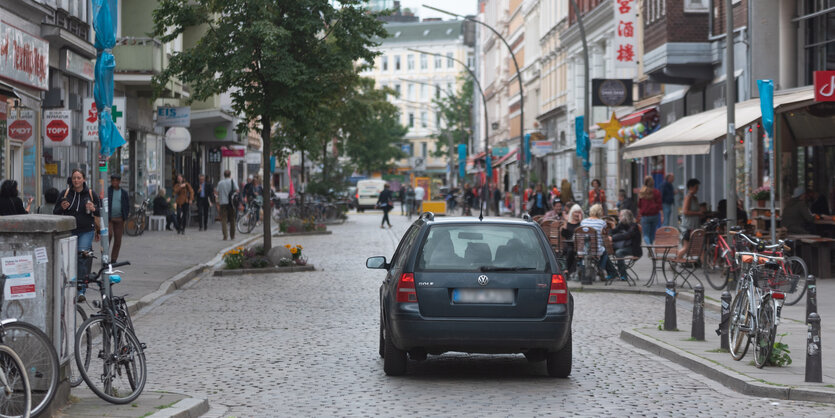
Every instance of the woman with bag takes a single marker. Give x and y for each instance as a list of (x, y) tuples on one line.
[(81, 203), (649, 208), (386, 203)]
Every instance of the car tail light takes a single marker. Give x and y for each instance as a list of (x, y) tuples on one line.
[(559, 290), (406, 288)]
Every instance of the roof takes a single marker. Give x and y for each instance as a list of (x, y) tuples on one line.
[(474, 220), (449, 30)]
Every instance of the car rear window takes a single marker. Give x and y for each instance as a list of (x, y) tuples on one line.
[(482, 247)]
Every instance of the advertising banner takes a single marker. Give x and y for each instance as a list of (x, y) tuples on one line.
[(57, 127), (24, 57), (174, 116), (90, 131), (626, 39)]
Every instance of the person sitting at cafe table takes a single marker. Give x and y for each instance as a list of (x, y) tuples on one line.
[(722, 211), (556, 210), (819, 205), (797, 218)]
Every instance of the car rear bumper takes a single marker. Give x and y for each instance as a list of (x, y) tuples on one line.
[(410, 330)]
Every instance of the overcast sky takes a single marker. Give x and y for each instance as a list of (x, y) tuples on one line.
[(462, 7)]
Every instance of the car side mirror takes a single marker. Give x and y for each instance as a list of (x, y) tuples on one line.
[(378, 262)]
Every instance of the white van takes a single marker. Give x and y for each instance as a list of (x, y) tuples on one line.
[(367, 193)]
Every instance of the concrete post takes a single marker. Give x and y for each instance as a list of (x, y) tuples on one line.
[(670, 308), (814, 372), (697, 330)]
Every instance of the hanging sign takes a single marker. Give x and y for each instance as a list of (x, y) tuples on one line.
[(825, 86), (24, 57), (57, 128), (626, 41), (20, 277), (177, 139), (91, 114), (174, 116), (611, 92), (21, 126)]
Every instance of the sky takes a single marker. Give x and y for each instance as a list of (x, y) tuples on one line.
[(462, 7)]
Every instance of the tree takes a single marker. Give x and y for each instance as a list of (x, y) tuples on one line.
[(279, 59), (456, 117)]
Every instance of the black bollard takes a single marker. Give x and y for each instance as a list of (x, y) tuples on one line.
[(811, 295), (697, 329), (670, 308), (813, 349), (726, 319)]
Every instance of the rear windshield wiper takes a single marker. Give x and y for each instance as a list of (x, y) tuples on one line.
[(494, 268)]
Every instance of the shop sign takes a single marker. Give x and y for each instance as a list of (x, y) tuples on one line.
[(611, 92), (233, 152), (91, 121), (500, 151), (51, 169), (541, 147), (22, 126), (57, 128), (174, 116), (626, 40), (24, 57), (825, 86), (77, 65), (214, 155)]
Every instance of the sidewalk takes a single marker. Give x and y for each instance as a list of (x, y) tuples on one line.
[(704, 357), (161, 262)]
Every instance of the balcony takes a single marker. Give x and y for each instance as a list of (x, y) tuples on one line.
[(138, 60)]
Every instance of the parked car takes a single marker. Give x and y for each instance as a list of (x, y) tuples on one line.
[(460, 284), (367, 193)]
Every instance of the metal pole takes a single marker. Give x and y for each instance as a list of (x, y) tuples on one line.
[(670, 307), (725, 322), (814, 362), (586, 93), (730, 100), (697, 326), (523, 169)]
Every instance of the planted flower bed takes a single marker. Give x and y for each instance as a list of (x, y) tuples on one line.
[(253, 260), (297, 226)]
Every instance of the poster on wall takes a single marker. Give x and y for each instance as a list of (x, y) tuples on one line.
[(20, 277), (626, 40), (57, 128)]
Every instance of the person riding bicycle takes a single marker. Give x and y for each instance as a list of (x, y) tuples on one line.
[(253, 192)]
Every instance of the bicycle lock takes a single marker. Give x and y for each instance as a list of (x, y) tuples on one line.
[(670, 307), (697, 328)]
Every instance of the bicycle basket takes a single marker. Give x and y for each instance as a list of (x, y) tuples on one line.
[(774, 280)]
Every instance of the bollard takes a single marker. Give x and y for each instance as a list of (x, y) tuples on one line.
[(697, 328), (813, 349), (811, 295), (670, 308), (725, 323)]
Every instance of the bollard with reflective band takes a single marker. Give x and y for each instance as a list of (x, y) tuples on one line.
[(697, 329), (725, 322), (814, 362), (670, 308), (811, 295)]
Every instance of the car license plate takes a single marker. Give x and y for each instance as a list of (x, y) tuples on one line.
[(482, 296)]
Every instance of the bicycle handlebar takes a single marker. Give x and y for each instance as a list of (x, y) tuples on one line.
[(95, 277), (758, 242), (758, 255)]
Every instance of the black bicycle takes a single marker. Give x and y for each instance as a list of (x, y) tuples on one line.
[(109, 356), (137, 222)]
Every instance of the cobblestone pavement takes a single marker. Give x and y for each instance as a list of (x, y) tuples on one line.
[(305, 344)]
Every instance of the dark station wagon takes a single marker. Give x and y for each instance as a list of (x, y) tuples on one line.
[(477, 286)]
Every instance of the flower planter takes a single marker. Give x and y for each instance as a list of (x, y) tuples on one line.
[(289, 269), (302, 233)]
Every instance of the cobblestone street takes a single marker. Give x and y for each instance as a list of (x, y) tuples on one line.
[(305, 344)]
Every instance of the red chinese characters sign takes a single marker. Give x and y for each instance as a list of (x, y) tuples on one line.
[(24, 58), (626, 40)]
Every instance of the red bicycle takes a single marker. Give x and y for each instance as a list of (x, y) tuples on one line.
[(719, 265), (790, 275)]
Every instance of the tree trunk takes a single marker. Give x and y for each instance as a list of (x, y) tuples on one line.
[(265, 169), (325, 162)]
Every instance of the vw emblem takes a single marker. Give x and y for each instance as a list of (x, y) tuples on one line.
[(483, 280)]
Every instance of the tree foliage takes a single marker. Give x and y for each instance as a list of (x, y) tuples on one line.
[(456, 117), (280, 60)]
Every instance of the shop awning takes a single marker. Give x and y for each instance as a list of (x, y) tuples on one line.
[(693, 135), (507, 157), (636, 117)]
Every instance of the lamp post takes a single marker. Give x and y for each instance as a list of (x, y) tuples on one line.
[(730, 100), (483, 97), (587, 99), (522, 168)]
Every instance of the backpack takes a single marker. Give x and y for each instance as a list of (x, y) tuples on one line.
[(234, 197)]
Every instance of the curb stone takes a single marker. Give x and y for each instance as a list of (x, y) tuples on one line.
[(186, 408), (733, 380), (288, 269), (301, 234)]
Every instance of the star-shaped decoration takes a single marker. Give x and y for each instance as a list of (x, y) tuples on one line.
[(612, 127)]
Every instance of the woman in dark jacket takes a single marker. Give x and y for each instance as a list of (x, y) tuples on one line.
[(10, 203), (626, 238), (81, 203)]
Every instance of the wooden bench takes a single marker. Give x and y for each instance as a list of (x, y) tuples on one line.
[(816, 251)]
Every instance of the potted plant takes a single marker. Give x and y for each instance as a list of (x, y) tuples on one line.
[(761, 194)]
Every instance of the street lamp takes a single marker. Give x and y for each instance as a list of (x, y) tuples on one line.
[(523, 169), (586, 100), (483, 98)]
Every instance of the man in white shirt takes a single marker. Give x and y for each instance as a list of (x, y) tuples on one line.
[(227, 211), (419, 195)]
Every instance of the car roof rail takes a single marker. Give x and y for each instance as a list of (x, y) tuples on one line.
[(428, 216), (527, 217)]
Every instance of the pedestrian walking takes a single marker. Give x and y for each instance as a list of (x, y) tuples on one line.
[(205, 198), (385, 202), (119, 206), (162, 207), (401, 195), (184, 196), (538, 202), (649, 209), (597, 196), (10, 202), (668, 198), (225, 189), (81, 203), (420, 194), (497, 198), (692, 212), (50, 197)]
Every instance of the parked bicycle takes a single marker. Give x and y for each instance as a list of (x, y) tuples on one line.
[(755, 311), (38, 356), (792, 269), (109, 356), (137, 222), (16, 395), (249, 218), (719, 264)]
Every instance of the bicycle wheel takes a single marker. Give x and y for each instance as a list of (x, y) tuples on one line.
[(715, 268), (796, 272), (40, 358), (766, 332), (117, 369), (75, 376), (16, 396), (740, 322), (132, 226), (246, 222)]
